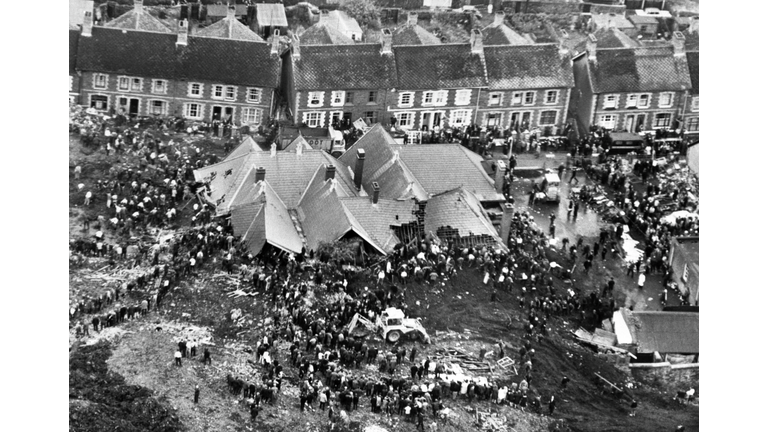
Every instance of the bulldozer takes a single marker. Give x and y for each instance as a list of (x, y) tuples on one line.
[(391, 325)]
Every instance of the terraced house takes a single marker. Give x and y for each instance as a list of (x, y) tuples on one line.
[(137, 65), (632, 89)]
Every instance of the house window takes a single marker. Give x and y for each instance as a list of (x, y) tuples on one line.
[(551, 97), (644, 101), (337, 98), (193, 110), (159, 86), (685, 273), (195, 90), (493, 119), (99, 102), (315, 99), (251, 115), (71, 82), (123, 83), (350, 97), (610, 101), (665, 99), (406, 99), (460, 117), (218, 92), (136, 84), (662, 120), (336, 117), (372, 97), (607, 121), (371, 117), (695, 104), (429, 98), (692, 124), (517, 98), (529, 98), (158, 107), (254, 95), (494, 99), (632, 101), (547, 117), (404, 120), (230, 93), (463, 96), (100, 81), (314, 119)]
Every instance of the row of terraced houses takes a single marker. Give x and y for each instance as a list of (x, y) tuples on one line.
[(136, 64)]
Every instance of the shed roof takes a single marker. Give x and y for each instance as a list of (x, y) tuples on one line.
[(665, 332), (343, 22), (271, 14)]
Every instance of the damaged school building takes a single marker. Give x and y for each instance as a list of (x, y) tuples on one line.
[(378, 194)]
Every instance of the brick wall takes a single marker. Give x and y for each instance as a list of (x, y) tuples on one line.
[(667, 376), (621, 110), (358, 105), (176, 96), (507, 108)]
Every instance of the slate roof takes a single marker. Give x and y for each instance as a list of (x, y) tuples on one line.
[(156, 55), (665, 332), (246, 146), (143, 20), (271, 14), (503, 35), (248, 221), (229, 28), (459, 209), (693, 70), (443, 66), (413, 35), (614, 38), (221, 10), (333, 67), (377, 144), (527, 67), (321, 34), (377, 218), (619, 70), (74, 36)]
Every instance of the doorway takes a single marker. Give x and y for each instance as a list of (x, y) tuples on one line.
[(431, 120), (129, 106), (223, 114)]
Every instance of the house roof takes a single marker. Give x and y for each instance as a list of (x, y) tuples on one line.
[(298, 141), (614, 38), (461, 210), (247, 145), (74, 36), (501, 34), (138, 20), (343, 22), (527, 67), (271, 14), (693, 70), (442, 66), (156, 55), (611, 20), (640, 19), (266, 219), (618, 70), (378, 151), (333, 67), (220, 10), (321, 34), (413, 35), (665, 332), (376, 219), (229, 28)]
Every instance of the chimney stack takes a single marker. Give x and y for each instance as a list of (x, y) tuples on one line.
[(499, 179), (275, 43), (506, 221), (299, 149), (296, 47), (591, 47), (137, 6), (330, 172), (231, 10), (87, 23), (261, 174), (413, 19), (273, 150), (323, 17), (182, 33), (476, 41), (678, 43), (498, 18), (386, 41), (359, 168), (376, 189)]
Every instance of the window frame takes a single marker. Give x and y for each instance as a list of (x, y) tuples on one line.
[(467, 119), (541, 116), (546, 97), (337, 94), (227, 96), (428, 95), (201, 90), (517, 98), (614, 119), (374, 118), (499, 95), (671, 99), (164, 87), (614, 100), (644, 96), (635, 97), (695, 104), (163, 111), (409, 117), (257, 113), (689, 121), (188, 107), (96, 80), (140, 86), (315, 96), (411, 97), (248, 93), (217, 88), (373, 96), (308, 118), (349, 98), (123, 79), (106, 104), (656, 116), (461, 95), (525, 98)]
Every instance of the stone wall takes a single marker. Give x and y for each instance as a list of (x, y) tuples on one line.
[(667, 376)]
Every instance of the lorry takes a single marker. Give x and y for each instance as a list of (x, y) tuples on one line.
[(391, 325)]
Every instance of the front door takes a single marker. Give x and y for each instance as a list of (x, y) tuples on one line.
[(640, 123), (227, 117), (128, 106), (216, 113), (629, 123), (133, 107), (514, 121)]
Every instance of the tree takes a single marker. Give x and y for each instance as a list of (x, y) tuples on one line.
[(366, 12)]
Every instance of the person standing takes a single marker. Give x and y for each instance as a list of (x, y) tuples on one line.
[(575, 211), (552, 405), (641, 281), (197, 393), (633, 406), (177, 357)]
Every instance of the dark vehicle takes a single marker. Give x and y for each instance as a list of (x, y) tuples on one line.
[(623, 143)]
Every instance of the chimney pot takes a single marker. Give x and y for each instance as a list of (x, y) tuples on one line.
[(275, 43), (296, 47), (375, 197), (323, 17), (506, 221), (137, 5), (498, 18), (330, 172), (413, 19), (261, 174), (386, 41), (87, 23), (231, 10), (476, 41), (678, 43), (182, 33), (273, 150), (359, 169), (592, 47)]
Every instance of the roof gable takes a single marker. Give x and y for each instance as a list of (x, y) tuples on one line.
[(333, 67), (413, 35), (501, 34), (138, 20), (229, 28), (527, 67), (321, 34), (376, 219), (460, 210), (614, 38), (438, 67)]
